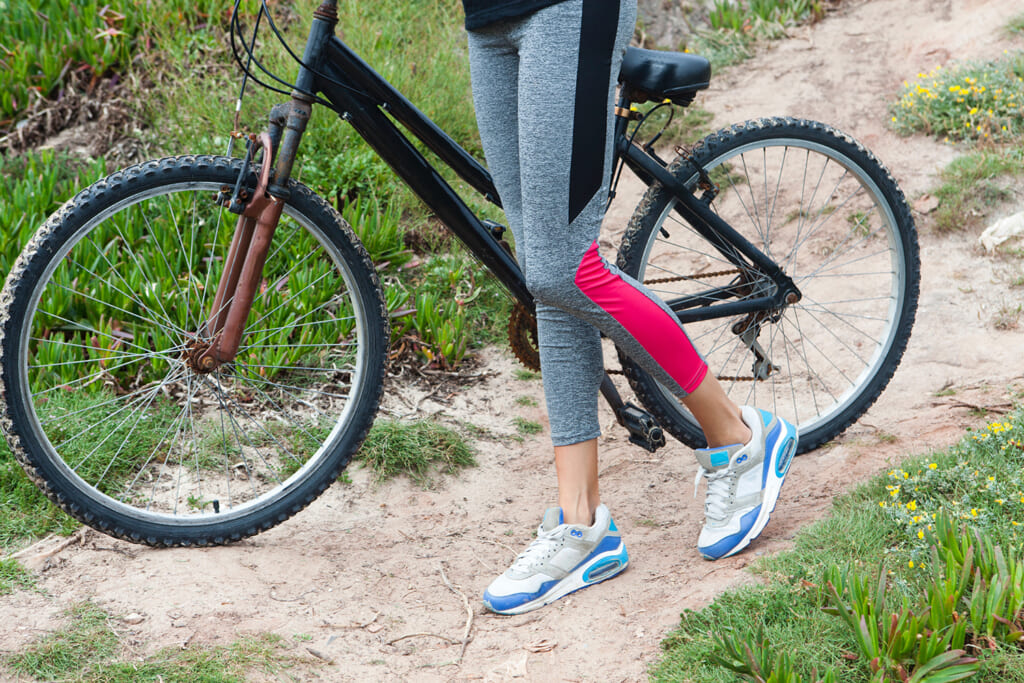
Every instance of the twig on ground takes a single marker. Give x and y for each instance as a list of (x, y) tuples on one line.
[(469, 612), (77, 537), (453, 641), (486, 566), (499, 543), (997, 408)]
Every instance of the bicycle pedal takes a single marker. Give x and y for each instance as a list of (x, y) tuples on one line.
[(644, 430)]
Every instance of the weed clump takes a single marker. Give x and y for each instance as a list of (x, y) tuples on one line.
[(975, 100)]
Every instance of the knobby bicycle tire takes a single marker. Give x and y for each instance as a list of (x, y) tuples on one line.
[(101, 405), (825, 209)]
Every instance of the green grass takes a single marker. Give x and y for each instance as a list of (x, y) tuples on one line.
[(420, 450), (25, 513), (45, 43), (1016, 26), (979, 104), (35, 185), (89, 649), (91, 35), (736, 26), (13, 577), (968, 100), (671, 125), (973, 184), (527, 427), (885, 525)]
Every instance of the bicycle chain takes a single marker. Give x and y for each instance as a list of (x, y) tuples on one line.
[(701, 276)]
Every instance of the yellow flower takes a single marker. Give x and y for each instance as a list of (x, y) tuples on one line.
[(973, 111), (912, 505), (974, 512), (881, 503), (911, 564), (920, 534), (932, 466), (1015, 523)]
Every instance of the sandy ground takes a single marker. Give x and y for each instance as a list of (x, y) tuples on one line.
[(373, 577)]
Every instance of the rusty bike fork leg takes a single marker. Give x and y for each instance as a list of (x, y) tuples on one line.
[(254, 232)]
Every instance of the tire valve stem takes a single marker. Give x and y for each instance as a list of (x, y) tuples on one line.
[(216, 506)]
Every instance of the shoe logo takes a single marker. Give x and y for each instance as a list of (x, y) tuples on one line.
[(742, 458), (576, 533)]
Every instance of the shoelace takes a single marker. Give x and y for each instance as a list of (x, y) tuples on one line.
[(538, 550), (719, 485)]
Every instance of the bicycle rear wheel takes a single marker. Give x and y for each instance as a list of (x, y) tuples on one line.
[(827, 212), (102, 405)]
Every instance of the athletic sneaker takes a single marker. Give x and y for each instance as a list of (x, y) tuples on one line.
[(562, 559), (744, 481)]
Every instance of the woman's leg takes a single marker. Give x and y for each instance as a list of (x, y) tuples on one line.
[(578, 494), (577, 544)]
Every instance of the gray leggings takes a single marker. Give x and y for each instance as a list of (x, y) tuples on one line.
[(543, 86)]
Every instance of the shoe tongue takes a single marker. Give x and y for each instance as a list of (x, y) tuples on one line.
[(713, 459), (552, 518)]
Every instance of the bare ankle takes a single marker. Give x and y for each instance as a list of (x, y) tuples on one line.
[(580, 513), (737, 435)]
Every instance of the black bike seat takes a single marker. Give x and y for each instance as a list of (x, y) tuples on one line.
[(655, 75)]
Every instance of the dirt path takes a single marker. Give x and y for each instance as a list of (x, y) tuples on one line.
[(366, 565)]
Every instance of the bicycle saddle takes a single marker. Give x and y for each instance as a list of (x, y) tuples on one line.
[(654, 75)]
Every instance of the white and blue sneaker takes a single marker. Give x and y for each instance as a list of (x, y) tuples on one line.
[(562, 559), (744, 481)]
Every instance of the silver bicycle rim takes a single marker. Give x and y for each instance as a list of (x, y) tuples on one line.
[(228, 509), (829, 402)]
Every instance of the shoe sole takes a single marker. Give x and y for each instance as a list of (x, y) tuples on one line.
[(785, 449), (574, 581)]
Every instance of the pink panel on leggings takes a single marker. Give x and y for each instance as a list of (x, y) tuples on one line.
[(650, 325)]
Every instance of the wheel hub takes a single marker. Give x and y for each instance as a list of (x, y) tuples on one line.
[(197, 359)]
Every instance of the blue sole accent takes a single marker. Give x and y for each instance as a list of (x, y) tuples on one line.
[(604, 568), (770, 443), (725, 545), (786, 458), (503, 603)]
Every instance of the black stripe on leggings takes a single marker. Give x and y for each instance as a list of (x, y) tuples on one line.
[(598, 28)]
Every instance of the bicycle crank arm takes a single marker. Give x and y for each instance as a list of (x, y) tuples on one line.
[(643, 429)]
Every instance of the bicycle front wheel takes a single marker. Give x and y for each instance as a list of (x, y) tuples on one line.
[(831, 216), (103, 406)]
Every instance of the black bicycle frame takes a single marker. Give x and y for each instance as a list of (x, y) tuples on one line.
[(347, 77), (365, 100)]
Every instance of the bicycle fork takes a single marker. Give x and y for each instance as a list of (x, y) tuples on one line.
[(259, 214)]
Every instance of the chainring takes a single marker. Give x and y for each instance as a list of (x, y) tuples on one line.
[(522, 337)]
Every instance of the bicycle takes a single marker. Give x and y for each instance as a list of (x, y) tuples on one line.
[(171, 380)]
